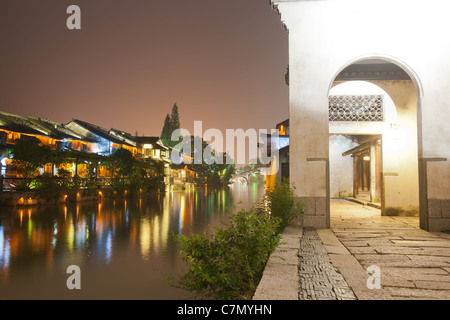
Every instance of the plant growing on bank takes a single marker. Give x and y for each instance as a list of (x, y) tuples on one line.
[(281, 203), (30, 154), (228, 263)]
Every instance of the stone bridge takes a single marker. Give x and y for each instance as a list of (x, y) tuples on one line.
[(245, 176)]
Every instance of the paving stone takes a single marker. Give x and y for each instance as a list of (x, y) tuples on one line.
[(420, 244), (414, 264), (319, 279), (419, 293), (436, 285)]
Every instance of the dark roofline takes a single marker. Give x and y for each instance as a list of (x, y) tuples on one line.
[(285, 123), (151, 139), (36, 126), (99, 131)]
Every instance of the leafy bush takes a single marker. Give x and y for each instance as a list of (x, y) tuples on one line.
[(47, 187), (281, 203), (228, 263)]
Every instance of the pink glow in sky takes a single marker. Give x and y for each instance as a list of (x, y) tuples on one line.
[(221, 61)]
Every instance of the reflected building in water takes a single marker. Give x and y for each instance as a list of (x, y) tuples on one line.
[(123, 236)]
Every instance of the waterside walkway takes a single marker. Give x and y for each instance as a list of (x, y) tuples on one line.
[(332, 263)]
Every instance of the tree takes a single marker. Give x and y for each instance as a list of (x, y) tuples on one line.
[(175, 118), (215, 172), (124, 161), (171, 123), (30, 154), (166, 132)]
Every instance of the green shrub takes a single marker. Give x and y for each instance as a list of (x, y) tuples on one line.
[(281, 203), (228, 263)]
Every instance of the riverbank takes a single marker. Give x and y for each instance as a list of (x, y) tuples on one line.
[(39, 198)]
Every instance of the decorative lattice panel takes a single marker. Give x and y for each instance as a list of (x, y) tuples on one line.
[(356, 108)]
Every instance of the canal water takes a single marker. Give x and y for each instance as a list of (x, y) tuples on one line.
[(125, 249)]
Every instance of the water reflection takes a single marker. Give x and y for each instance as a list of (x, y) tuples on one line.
[(124, 247)]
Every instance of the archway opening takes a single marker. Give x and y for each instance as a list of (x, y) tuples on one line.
[(374, 129)]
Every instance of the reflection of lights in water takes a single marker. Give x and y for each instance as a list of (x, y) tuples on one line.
[(165, 224), (156, 231), (224, 199), (80, 236), (127, 211), (183, 212), (55, 233), (254, 191), (70, 235), (21, 216), (5, 253), (30, 224), (144, 238), (2, 242), (196, 199), (148, 232), (108, 247)]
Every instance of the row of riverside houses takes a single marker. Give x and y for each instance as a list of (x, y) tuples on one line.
[(82, 138)]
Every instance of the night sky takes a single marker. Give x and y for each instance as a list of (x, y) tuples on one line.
[(221, 61)]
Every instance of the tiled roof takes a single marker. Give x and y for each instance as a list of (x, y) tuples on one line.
[(36, 126), (155, 141), (102, 132)]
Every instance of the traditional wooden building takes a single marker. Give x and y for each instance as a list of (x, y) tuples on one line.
[(107, 141), (54, 135)]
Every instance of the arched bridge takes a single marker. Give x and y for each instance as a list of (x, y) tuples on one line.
[(245, 175)]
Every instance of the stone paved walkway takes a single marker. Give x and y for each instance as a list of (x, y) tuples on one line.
[(319, 279), (333, 263), (413, 263)]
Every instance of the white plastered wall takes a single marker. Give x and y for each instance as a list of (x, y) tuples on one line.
[(325, 37), (399, 143)]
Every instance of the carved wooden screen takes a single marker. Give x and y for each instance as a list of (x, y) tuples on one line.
[(356, 108)]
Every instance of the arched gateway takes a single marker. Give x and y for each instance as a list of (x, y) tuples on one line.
[(387, 42)]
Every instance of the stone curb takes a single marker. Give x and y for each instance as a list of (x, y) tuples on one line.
[(280, 278)]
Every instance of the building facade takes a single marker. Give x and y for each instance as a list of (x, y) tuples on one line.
[(80, 139), (331, 42)]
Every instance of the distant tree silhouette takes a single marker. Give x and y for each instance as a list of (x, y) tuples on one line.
[(171, 123), (166, 131), (175, 118)]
